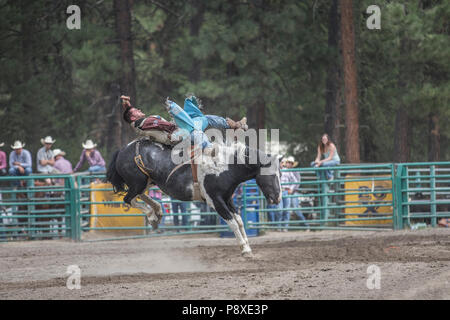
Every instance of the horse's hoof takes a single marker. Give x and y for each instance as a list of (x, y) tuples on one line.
[(154, 224), (248, 254)]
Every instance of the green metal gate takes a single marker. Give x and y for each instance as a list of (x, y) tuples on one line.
[(360, 197), (423, 193), (329, 204), (30, 210)]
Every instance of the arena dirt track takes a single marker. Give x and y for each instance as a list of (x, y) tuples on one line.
[(294, 265)]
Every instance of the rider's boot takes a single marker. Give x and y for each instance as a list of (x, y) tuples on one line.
[(241, 124)]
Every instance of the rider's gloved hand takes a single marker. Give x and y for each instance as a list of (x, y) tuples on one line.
[(125, 101), (168, 103)]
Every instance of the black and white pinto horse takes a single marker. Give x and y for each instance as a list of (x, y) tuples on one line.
[(217, 180)]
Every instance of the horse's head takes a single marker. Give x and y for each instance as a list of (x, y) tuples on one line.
[(269, 179)]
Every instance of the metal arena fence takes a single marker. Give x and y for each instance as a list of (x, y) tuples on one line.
[(359, 197)]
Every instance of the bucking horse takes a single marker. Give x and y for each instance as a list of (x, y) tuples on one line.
[(144, 163)]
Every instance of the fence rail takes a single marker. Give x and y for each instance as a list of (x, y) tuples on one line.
[(359, 197)]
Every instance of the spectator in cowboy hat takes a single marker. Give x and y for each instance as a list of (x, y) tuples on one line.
[(3, 162), (3, 171), (45, 159), (61, 164), (295, 203), (93, 157), (20, 162)]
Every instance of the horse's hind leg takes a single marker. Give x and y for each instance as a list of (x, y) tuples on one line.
[(156, 213), (147, 211), (131, 199)]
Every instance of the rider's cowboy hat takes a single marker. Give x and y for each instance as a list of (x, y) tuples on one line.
[(47, 139), (2, 144), (292, 160), (89, 144), (58, 152), (18, 145)]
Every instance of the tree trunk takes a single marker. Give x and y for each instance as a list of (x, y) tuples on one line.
[(332, 96), (256, 115), (434, 147), (115, 123), (261, 113), (122, 10), (195, 24), (402, 120), (401, 145), (350, 82)]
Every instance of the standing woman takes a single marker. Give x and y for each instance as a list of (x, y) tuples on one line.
[(326, 150)]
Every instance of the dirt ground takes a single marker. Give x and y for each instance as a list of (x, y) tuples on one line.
[(294, 265)]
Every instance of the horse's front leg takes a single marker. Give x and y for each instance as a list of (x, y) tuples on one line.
[(156, 214), (238, 220), (224, 211)]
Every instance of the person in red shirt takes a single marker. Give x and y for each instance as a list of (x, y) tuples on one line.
[(164, 131), (3, 162), (153, 126)]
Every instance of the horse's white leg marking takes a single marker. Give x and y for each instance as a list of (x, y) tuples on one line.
[(245, 248), (241, 228)]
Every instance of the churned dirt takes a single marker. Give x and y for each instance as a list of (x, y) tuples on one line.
[(294, 265)]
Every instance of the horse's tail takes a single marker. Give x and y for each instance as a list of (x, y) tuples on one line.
[(113, 176)]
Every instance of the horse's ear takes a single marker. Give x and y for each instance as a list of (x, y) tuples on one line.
[(280, 158)]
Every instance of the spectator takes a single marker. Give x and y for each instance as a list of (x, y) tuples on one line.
[(206, 220), (45, 159), (61, 164), (20, 163), (444, 222), (287, 190), (179, 207), (273, 215), (295, 203), (328, 151), (93, 157), (3, 171)]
